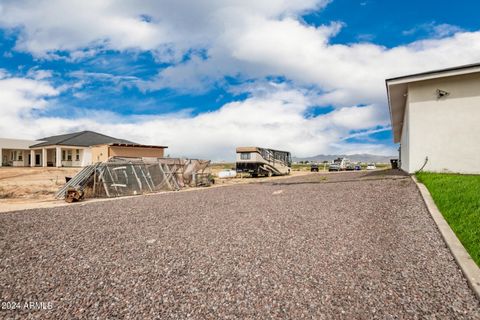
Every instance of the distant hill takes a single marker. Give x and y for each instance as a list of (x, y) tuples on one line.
[(352, 157)]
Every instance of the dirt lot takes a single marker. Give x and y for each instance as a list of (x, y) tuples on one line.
[(32, 183), (331, 246), (30, 187), (27, 188), (245, 178)]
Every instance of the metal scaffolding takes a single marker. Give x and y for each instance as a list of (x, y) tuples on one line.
[(120, 177)]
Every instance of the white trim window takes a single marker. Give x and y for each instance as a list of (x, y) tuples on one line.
[(17, 155), (77, 154), (67, 155)]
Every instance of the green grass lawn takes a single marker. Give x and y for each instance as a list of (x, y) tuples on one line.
[(458, 198)]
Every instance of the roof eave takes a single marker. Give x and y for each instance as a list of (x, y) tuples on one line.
[(434, 74), (396, 95)]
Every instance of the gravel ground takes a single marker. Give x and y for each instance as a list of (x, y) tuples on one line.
[(346, 246)]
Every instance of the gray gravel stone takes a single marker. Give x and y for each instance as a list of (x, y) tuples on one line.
[(334, 246)]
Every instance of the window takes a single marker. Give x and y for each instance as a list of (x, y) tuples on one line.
[(77, 155), (16, 155), (245, 156), (67, 155)]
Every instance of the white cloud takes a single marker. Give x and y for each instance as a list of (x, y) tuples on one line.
[(346, 74), (434, 30), (247, 40), (18, 97), (37, 74), (20, 94), (169, 28), (273, 116)]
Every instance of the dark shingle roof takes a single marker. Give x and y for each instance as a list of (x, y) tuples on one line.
[(79, 139)]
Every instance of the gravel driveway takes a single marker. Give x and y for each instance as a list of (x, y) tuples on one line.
[(346, 246)]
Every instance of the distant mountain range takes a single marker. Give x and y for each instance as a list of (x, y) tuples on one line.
[(353, 157)]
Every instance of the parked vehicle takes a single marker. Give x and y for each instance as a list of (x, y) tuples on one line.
[(314, 167), (339, 164), (371, 166), (358, 167), (334, 167), (350, 167), (262, 161)]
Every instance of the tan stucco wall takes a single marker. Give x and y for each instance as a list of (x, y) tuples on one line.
[(99, 153), (102, 153), (445, 130), (136, 152)]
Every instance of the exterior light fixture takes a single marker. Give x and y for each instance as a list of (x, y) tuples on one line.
[(442, 94)]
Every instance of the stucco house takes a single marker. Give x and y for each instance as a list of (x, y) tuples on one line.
[(15, 152), (71, 150), (435, 117)]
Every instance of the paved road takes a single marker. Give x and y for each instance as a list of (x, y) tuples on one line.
[(332, 246)]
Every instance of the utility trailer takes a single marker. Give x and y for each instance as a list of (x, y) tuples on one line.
[(263, 162)]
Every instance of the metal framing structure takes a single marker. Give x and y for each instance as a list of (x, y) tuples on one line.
[(119, 177)]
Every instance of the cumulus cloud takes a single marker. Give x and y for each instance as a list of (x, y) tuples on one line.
[(271, 117), (18, 98), (206, 41), (168, 28), (20, 94), (346, 74)]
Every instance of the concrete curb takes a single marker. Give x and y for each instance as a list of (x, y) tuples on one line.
[(464, 260)]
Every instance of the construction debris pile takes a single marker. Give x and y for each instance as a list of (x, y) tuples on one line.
[(120, 177)]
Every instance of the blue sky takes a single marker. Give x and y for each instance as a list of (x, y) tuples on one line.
[(393, 23), (207, 76)]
